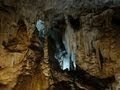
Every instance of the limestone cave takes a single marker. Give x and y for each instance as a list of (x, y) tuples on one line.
[(59, 44)]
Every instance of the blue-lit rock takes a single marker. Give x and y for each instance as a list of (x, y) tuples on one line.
[(41, 28), (66, 58)]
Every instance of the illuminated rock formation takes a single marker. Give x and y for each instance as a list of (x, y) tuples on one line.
[(59, 44)]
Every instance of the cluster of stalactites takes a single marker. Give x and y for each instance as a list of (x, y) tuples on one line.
[(89, 41), (66, 58)]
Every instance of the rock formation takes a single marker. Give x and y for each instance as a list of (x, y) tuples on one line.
[(76, 48)]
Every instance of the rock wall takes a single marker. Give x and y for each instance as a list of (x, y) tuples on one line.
[(96, 34)]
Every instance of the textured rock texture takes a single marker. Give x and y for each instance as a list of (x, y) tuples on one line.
[(27, 63)]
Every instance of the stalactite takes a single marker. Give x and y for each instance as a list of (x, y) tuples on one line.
[(68, 60), (99, 55), (65, 53), (89, 38), (101, 58), (69, 41)]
